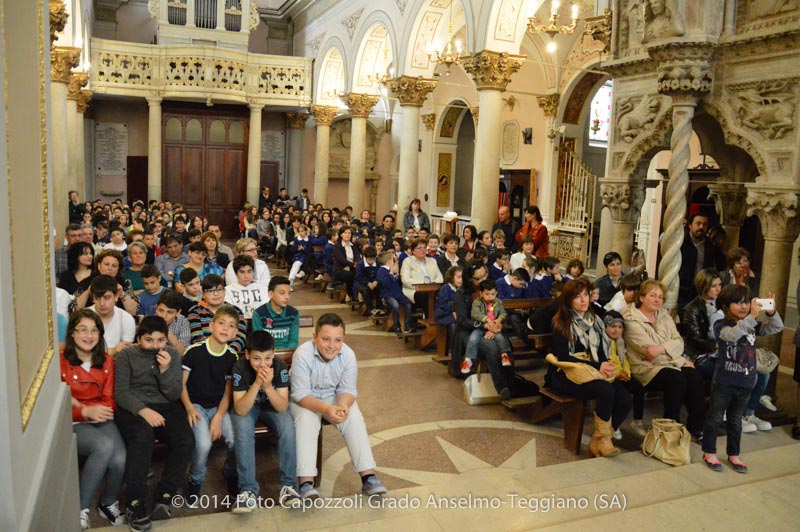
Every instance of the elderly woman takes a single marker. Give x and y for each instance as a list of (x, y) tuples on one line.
[(248, 246), (419, 269), (739, 272), (578, 337), (414, 217), (655, 349), (699, 346), (137, 255)]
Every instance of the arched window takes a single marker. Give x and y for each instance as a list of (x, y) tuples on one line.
[(600, 118)]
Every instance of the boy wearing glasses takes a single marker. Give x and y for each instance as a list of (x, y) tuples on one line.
[(201, 315)]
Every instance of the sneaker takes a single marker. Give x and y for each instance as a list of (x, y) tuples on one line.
[(617, 434), (505, 360), (330, 288), (84, 519), (192, 494), (301, 274), (319, 277), (759, 423), (748, 426), (138, 520), (111, 513), (373, 486), (308, 491), (162, 509), (399, 332), (466, 366), (246, 502), (766, 402), (380, 312), (289, 498)]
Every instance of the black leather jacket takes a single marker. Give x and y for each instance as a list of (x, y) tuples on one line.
[(694, 327)]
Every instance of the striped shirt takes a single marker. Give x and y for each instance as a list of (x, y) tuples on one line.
[(284, 327), (200, 317)]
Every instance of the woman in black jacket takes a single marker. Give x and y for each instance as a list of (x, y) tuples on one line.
[(345, 258), (699, 347)]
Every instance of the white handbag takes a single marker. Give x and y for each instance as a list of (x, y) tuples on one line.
[(479, 390)]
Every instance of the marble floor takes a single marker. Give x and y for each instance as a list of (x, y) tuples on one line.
[(430, 445)]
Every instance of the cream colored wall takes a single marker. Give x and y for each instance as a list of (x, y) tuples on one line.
[(525, 85), (134, 24), (133, 113)]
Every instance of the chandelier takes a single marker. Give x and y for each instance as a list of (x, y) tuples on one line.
[(552, 28), (448, 53), (387, 74)]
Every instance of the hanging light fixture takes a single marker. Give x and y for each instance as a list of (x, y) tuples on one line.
[(382, 75), (448, 53), (552, 28), (595, 123)]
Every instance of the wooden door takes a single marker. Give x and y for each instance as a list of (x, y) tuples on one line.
[(270, 172), (137, 179)]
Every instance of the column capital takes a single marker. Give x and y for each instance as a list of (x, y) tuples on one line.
[(83, 100), (297, 120), (360, 105), (58, 18), (492, 70), (731, 202), (154, 101), (776, 208), (254, 105), (62, 60), (77, 81), (412, 90), (684, 71), (549, 104), (324, 114), (474, 111), (429, 120), (623, 197)]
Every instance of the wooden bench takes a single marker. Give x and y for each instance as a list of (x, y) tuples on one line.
[(572, 411), (430, 333)]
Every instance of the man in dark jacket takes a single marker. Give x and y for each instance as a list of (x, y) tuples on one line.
[(507, 225), (697, 253)]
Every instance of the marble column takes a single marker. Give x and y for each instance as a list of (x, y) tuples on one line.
[(360, 107), (62, 60), (297, 125), (547, 182), (254, 154), (76, 164), (492, 72), (80, 167), (411, 92), (731, 204), (323, 116), (624, 199), (154, 148)]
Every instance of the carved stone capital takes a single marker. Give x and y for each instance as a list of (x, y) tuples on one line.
[(324, 114), (492, 70), (623, 197), (684, 69), (297, 120), (731, 202), (359, 105), (599, 29), (410, 90), (58, 18), (549, 104), (776, 208), (62, 60), (83, 100), (429, 120), (77, 81)]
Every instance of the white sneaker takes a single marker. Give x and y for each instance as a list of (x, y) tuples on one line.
[(301, 274), (289, 498), (318, 277), (617, 434), (246, 502), (766, 402), (84, 519), (759, 423), (748, 426), (111, 513)]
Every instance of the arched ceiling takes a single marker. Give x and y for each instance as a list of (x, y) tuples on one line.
[(374, 58), (332, 78)]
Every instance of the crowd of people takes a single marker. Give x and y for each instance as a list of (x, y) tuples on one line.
[(169, 334)]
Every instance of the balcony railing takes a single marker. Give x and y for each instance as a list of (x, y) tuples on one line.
[(199, 72)]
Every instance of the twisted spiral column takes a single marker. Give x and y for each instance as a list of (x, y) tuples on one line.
[(682, 113)]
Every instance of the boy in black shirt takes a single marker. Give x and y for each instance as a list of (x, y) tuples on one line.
[(261, 393)]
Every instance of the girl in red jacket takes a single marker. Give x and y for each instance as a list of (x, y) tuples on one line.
[(89, 373)]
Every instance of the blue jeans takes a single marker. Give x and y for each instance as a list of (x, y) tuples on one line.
[(755, 396), (475, 336), (202, 441), (394, 306), (104, 450), (730, 398), (283, 425)]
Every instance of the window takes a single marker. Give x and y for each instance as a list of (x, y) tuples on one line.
[(600, 111)]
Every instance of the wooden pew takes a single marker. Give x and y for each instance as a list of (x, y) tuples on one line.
[(431, 331)]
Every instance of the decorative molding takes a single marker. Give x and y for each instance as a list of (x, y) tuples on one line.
[(411, 91), (58, 18), (776, 208), (62, 60), (549, 104), (642, 145), (492, 70), (475, 110), (624, 198), (599, 29), (152, 8), (429, 120), (767, 106), (324, 114), (360, 105), (733, 137), (730, 201), (83, 100), (297, 120), (636, 116), (401, 5), (350, 22), (77, 81), (316, 44), (254, 19)]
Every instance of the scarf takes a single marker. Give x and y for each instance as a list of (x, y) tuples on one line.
[(588, 332)]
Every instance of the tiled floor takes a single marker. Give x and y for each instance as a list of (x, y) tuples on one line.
[(428, 441)]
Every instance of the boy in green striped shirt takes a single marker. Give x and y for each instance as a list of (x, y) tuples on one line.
[(277, 316)]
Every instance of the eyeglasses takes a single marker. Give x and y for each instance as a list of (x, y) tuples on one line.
[(87, 330), (213, 290), (249, 250)]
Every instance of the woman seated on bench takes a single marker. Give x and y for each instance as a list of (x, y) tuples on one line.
[(655, 349), (578, 337)]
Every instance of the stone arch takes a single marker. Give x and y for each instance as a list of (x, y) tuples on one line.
[(453, 155), (331, 72), (732, 136), (430, 19), (533, 47), (638, 157), (376, 51), (503, 24)]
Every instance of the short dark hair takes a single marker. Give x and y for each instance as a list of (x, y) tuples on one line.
[(171, 299), (198, 247), (487, 284), (369, 252), (329, 318), (149, 270), (550, 262), (691, 217), (212, 280), (610, 257), (187, 275), (521, 274), (501, 254), (277, 281), (243, 260), (260, 341), (102, 284), (449, 237), (151, 324), (732, 293), (172, 238), (630, 281), (451, 272)]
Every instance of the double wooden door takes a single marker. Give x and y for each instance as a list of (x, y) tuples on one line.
[(205, 163)]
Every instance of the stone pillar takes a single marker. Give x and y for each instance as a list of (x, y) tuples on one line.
[(190, 13), (492, 72), (684, 75), (154, 148), (221, 18), (80, 168), (548, 181), (62, 60), (411, 93), (323, 116), (76, 165), (624, 199), (254, 154), (360, 106), (731, 204), (297, 125)]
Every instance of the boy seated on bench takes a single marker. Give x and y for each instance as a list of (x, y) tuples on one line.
[(261, 393), (365, 282), (324, 374), (512, 286), (277, 316), (391, 290)]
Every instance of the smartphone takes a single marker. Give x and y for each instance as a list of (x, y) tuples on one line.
[(767, 304)]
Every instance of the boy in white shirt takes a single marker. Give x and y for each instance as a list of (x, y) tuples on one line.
[(120, 327), (245, 294)]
